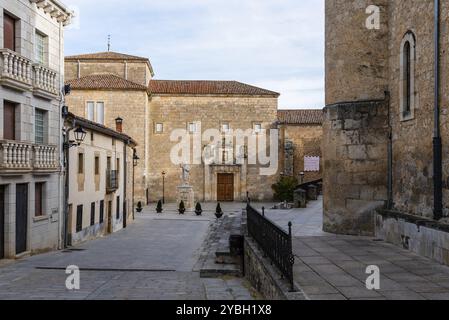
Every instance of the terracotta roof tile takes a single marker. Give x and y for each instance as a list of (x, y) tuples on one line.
[(204, 87), (105, 82), (303, 116), (109, 55)]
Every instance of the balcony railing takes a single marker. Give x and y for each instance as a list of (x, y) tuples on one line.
[(44, 79), (18, 156), (15, 69), (111, 180), (20, 73)]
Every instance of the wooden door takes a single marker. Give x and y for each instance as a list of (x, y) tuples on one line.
[(225, 187), (109, 213), (9, 121), (79, 218), (9, 32), (21, 217), (2, 222)]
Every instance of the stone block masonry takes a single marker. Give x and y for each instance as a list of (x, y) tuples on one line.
[(356, 139)]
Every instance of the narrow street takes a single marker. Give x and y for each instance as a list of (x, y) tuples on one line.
[(154, 258)]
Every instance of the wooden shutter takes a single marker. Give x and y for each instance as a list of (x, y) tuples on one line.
[(9, 32), (9, 121)]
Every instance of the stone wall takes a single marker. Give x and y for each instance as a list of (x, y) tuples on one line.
[(306, 140), (131, 106), (355, 143), (175, 112), (137, 72), (356, 58)]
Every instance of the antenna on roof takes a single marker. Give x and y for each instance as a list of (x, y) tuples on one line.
[(109, 42)]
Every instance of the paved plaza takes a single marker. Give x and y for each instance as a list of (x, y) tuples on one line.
[(154, 258), (333, 267)]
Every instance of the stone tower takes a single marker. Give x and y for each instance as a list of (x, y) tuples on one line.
[(356, 130)]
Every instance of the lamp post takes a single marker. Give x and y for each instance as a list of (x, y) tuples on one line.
[(301, 176), (135, 162), (79, 134), (163, 187)]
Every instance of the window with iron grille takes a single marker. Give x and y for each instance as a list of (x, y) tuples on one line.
[(79, 218), (92, 213), (39, 126)]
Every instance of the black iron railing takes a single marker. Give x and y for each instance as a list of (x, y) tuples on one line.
[(275, 243), (111, 180)]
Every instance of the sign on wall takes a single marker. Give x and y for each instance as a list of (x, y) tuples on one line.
[(311, 164)]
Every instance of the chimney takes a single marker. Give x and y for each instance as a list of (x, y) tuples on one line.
[(118, 124)]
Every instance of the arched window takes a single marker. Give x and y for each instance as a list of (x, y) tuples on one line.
[(407, 77)]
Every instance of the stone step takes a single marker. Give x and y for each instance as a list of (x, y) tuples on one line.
[(218, 270)]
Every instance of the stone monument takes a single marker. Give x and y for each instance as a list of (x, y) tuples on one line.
[(185, 190)]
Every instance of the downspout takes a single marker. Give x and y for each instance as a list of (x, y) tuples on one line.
[(125, 168), (390, 154), (437, 144), (66, 181)]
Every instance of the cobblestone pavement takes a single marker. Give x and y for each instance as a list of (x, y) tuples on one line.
[(151, 259), (333, 267)]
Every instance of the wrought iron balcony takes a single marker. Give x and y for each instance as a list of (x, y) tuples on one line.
[(20, 73), (111, 181), (19, 157)]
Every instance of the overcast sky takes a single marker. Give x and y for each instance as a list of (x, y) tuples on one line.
[(274, 44)]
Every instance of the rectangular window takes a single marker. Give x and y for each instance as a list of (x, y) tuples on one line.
[(117, 165), (80, 163), (39, 126), (39, 199), (79, 218), (225, 127), (90, 111), (9, 32), (257, 127), (100, 113), (39, 47), (92, 213), (118, 208), (101, 211), (97, 165), (192, 127), (159, 128)]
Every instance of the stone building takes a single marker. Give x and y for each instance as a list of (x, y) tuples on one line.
[(301, 133), (100, 186), (31, 75), (108, 85), (380, 123)]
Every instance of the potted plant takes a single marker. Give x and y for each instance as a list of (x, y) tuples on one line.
[(182, 207), (218, 211), (139, 206), (198, 209), (159, 207)]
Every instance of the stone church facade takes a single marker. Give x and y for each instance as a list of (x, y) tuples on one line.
[(109, 85), (379, 122)]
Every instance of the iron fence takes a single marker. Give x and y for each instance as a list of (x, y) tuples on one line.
[(275, 243)]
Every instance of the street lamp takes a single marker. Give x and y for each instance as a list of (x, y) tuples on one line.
[(80, 134), (301, 176), (163, 187), (135, 158)]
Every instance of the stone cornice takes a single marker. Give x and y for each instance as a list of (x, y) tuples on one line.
[(55, 9)]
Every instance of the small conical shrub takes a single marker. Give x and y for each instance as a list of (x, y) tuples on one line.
[(198, 209), (159, 207), (218, 211), (182, 207)]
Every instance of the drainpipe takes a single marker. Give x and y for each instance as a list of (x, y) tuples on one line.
[(437, 144), (390, 155), (125, 169)]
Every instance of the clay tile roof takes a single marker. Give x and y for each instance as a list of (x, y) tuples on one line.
[(109, 55), (105, 82), (303, 116), (204, 87)]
